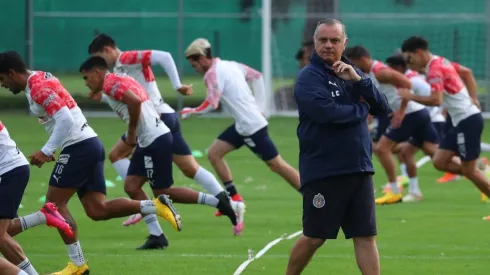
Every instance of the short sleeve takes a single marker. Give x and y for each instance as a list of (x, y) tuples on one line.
[(136, 57), (435, 78), (114, 87), (47, 98)]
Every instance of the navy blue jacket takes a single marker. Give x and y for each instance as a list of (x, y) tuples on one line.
[(333, 134)]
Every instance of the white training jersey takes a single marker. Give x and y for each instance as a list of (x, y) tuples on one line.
[(47, 96), (10, 156), (420, 87), (443, 78), (149, 125), (137, 64), (390, 91), (226, 83)]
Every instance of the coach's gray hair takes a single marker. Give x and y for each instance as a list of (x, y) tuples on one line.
[(331, 22)]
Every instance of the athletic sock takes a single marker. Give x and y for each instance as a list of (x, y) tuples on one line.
[(122, 167), (207, 199), (208, 181), (75, 253), (32, 220), (153, 225), (230, 188)]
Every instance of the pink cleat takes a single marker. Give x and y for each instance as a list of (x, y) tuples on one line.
[(133, 219), (54, 219), (239, 208), (237, 229)]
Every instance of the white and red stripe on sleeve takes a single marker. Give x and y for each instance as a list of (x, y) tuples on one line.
[(142, 58)]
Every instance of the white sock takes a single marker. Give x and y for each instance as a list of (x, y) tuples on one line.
[(403, 168), (413, 185), (75, 253), (22, 272), (207, 199), (32, 220), (485, 147), (394, 187), (153, 225), (148, 207), (121, 167), (27, 267), (208, 181)]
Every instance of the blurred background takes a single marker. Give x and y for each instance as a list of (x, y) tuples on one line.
[(54, 35)]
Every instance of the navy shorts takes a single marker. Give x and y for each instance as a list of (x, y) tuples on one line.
[(179, 146), (81, 166), (259, 142), (12, 186), (465, 138), (345, 202), (448, 125), (416, 128), (440, 129), (382, 123), (154, 162)]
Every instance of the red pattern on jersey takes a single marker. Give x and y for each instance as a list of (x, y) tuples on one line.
[(251, 74), (411, 74), (442, 76), (139, 57), (378, 66), (213, 92), (1, 126), (48, 92), (115, 85), (456, 66)]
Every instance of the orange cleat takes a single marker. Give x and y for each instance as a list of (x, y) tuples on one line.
[(448, 177)]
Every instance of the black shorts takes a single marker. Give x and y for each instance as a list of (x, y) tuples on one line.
[(12, 186), (345, 202)]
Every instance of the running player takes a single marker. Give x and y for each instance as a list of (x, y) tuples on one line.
[(14, 176), (152, 158), (80, 165), (226, 82), (464, 138), (138, 65), (410, 119)]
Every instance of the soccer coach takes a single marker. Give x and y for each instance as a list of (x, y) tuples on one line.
[(334, 100)]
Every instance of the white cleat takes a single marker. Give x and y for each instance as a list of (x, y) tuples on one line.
[(239, 208), (413, 197), (132, 220)]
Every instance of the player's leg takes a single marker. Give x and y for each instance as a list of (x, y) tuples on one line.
[(261, 144), (13, 184), (226, 142), (360, 223), (443, 130), (322, 218), (7, 268), (119, 156), (384, 153)]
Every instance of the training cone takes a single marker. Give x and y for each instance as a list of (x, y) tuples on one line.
[(197, 154), (21, 206), (118, 178), (42, 199), (109, 183)]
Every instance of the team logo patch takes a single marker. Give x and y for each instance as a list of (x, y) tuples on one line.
[(318, 201)]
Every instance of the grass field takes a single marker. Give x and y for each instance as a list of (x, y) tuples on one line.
[(442, 235)]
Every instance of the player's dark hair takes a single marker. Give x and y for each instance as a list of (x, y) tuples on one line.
[(301, 51), (397, 61), (356, 52), (94, 62), (11, 60), (99, 42), (415, 43), (207, 52)]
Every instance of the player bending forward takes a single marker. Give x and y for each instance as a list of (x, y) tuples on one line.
[(226, 82), (80, 165), (137, 64), (14, 176), (464, 138)]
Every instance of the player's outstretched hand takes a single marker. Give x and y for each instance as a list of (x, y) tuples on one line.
[(187, 112), (345, 71), (185, 89), (39, 159)]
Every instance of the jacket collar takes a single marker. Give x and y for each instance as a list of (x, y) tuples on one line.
[(318, 61)]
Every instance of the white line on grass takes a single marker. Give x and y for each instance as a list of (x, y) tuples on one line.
[(423, 161), (252, 258)]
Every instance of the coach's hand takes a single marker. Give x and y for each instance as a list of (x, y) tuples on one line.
[(185, 89), (345, 71), (39, 159)]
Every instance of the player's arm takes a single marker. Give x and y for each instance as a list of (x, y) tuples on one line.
[(213, 95), (469, 80), (56, 108), (389, 76), (256, 80), (165, 60), (435, 80)]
